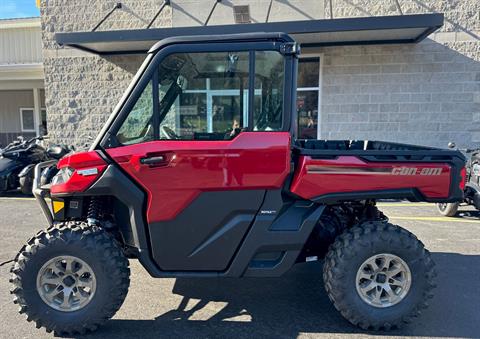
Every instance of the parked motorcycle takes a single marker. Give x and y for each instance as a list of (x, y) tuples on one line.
[(472, 184), (18, 160), (26, 175), (15, 156)]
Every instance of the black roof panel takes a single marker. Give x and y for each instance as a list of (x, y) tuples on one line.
[(327, 32)]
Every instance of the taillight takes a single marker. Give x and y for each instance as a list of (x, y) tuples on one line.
[(463, 178), (77, 172)]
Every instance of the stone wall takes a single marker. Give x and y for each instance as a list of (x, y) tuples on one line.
[(426, 93), (81, 88)]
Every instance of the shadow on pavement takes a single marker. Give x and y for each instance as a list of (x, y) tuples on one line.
[(297, 303), (14, 194)]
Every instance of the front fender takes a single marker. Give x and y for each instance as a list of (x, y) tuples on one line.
[(9, 169), (8, 165)]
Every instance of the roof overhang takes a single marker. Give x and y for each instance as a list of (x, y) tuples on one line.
[(309, 33)]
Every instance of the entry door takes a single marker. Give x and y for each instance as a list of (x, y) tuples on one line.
[(204, 181), (203, 197)]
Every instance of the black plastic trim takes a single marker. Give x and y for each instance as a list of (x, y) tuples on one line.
[(113, 182), (411, 194), (251, 90), (206, 234)]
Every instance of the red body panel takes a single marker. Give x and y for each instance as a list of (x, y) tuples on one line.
[(78, 161), (316, 177), (253, 160)]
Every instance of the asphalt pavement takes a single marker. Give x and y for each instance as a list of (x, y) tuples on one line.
[(293, 306)]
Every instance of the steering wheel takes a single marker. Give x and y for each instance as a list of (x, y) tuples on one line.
[(168, 133)]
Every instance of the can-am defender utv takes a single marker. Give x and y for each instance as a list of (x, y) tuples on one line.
[(198, 173)]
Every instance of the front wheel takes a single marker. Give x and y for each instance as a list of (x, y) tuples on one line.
[(26, 184), (70, 278), (448, 210), (378, 275)]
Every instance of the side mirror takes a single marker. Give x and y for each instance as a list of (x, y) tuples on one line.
[(451, 145)]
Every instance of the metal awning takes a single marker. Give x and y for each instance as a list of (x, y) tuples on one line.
[(310, 33)]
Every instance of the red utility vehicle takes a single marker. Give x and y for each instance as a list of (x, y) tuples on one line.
[(198, 173)]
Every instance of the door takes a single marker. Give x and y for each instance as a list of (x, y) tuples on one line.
[(203, 161)]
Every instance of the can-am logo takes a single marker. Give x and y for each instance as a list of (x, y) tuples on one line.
[(416, 171)]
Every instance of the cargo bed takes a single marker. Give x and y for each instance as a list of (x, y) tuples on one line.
[(338, 170)]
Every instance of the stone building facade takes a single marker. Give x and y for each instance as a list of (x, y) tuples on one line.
[(426, 93)]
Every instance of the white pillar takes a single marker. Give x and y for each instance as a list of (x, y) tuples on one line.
[(37, 114)]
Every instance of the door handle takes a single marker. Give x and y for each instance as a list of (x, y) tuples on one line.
[(156, 160)]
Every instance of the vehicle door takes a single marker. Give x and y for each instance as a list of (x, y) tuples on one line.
[(205, 137)]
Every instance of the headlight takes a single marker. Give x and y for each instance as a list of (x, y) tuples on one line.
[(62, 176)]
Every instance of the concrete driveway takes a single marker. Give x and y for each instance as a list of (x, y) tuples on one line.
[(289, 307)]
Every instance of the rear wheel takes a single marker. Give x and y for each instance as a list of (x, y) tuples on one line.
[(70, 278), (378, 275), (448, 210)]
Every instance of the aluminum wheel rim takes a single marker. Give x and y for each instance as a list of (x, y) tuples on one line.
[(442, 206), (66, 283), (383, 280)]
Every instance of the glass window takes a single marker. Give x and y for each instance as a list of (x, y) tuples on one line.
[(212, 102), (269, 81), (308, 70), (43, 126), (27, 119), (138, 127), (307, 109), (202, 96), (307, 97)]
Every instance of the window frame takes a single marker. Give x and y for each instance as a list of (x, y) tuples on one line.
[(152, 62), (22, 109), (318, 89), (43, 109)]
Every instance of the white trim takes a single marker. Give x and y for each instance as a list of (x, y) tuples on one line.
[(26, 84), (318, 88), (37, 114), (20, 23), (32, 71), (305, 89), (21, 118), (210, 93), (37, 66)]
